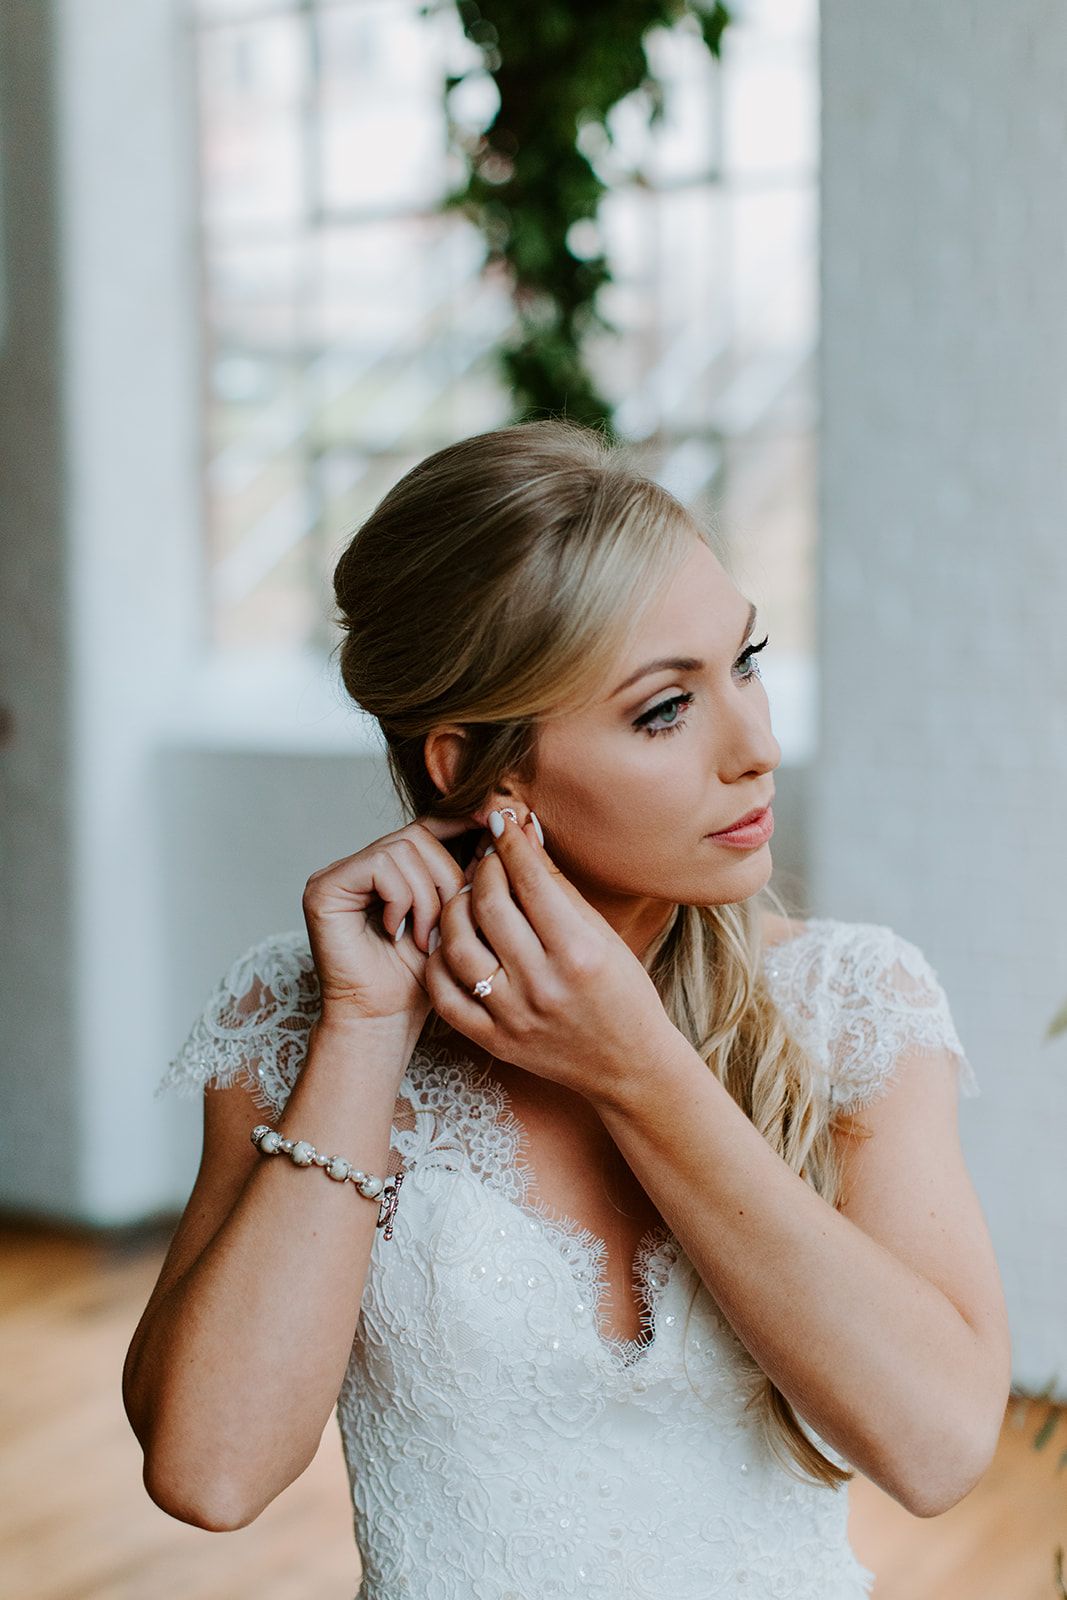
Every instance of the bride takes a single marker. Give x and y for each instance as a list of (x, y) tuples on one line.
[(638, 1289)]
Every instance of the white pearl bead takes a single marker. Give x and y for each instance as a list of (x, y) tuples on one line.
[(338, 1168), (270, 1141), (371, 1187), (302, 1153)]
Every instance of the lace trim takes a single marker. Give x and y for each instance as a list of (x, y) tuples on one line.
[(493, 1144), (855, 994), (254, 1026), (858, 997)]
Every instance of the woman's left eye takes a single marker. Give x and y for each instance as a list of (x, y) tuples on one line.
[(675, 704), (680, 702)]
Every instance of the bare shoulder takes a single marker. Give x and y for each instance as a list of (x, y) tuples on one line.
[(777, 929)]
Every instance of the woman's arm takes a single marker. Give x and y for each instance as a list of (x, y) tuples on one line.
[(857, 1331), (237, 1363)]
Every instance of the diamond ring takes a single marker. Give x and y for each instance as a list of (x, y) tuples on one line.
[(484, 986)]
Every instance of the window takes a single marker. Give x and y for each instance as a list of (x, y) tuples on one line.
[(349, 329)]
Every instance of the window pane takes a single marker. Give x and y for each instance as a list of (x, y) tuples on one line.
[(255, 290), (670, 255), (773, 265), (684, 142), (770, 106), (252, 84), (350, 329), (381, 107)]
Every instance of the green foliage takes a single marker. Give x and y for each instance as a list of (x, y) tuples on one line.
[(559, 67)]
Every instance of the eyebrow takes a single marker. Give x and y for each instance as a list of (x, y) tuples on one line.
[(679, 663)]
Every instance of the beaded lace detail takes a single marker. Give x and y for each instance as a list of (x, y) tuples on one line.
[(858, 996), (499, 1440), (254, 1027), (476, 1110)]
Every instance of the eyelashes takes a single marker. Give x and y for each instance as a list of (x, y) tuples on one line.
[(680, 702)]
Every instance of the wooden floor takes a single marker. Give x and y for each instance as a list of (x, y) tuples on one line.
[(77, 1524)]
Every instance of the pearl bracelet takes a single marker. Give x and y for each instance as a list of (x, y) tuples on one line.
[(268, 1141)]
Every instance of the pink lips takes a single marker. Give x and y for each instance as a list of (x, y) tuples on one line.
[(746, 835)]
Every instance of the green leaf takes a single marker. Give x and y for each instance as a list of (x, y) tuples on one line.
[(713, 25), (556, 69)]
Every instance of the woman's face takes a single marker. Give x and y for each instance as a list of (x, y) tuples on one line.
[(630, 788)]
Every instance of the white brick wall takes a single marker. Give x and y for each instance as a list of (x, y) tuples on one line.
[(939, 795)]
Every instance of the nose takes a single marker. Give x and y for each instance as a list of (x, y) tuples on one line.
[(748, 744)]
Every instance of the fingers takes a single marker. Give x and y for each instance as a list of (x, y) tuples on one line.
[(423, 899), (464, 953), (550, 907), (485, 925), (406, 875), (442, 868), (399, 889), (450, 991)]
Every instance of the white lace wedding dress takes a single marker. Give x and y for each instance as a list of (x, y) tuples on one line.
[(500, 1444)]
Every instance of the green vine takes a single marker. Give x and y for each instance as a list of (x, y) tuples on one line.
[(558, 68)]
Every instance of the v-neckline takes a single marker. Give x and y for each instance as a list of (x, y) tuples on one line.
[(651, 1270), (648, 1274), (583, 1252), (658, 1252)]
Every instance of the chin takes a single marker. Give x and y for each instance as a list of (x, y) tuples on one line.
[(751, 865)]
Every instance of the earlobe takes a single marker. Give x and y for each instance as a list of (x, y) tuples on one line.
[(482, 817)]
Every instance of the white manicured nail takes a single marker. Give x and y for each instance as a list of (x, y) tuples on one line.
[(537, 828), (490, 850), (398, 935), (435, 939), (496, 824)]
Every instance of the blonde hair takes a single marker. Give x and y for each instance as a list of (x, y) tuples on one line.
[(490, 588)]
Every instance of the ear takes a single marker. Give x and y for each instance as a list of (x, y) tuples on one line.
[(441, 751)]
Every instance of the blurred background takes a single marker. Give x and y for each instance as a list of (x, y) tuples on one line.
[(257, 258)]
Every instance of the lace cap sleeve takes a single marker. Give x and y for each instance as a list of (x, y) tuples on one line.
[(885, 1000), (254, 1027)]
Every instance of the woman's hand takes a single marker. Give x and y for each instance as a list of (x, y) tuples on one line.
[(571, 1002), (354, 907)]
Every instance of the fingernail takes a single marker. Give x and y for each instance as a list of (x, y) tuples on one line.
[(434, 940), (496, 824), (537, 828), (490, 850), (398, 935), (466, 889)]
